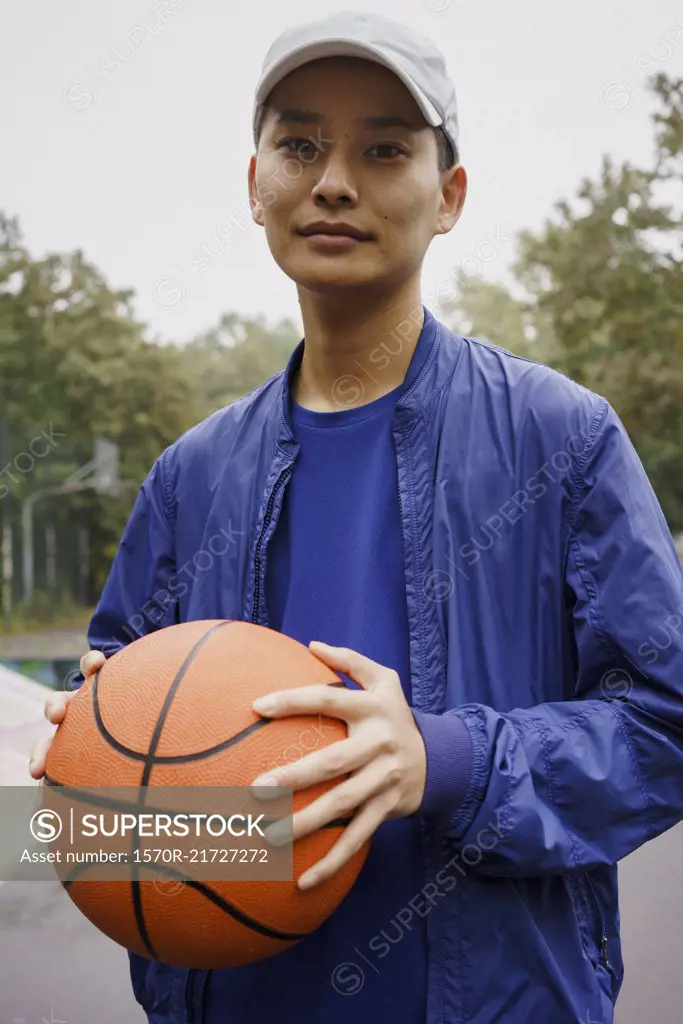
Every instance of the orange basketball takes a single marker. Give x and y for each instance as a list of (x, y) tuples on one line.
[(159, 713)]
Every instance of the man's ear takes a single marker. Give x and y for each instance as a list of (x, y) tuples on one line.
[(254, 202), (453, 192)]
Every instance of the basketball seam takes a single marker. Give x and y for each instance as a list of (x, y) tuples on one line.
[(238, 915), (136, 894), (110, 803), (150, 759), (139, 755)]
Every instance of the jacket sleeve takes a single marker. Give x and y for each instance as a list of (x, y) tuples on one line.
[(580, 783), (141, 592)]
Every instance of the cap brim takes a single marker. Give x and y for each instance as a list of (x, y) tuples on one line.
[(343, 48)]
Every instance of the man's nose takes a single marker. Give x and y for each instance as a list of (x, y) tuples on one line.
[(335, 184)]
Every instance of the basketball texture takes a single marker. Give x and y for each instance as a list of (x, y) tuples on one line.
[(174, 709)]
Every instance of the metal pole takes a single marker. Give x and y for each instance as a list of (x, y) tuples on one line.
[(83, 566), (27, 523), (51, 557), (27, 544), (7, 572), (5, 536)]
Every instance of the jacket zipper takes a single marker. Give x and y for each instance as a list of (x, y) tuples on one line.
[(192, 974), (189, 996), (257, 555), (602, 946)]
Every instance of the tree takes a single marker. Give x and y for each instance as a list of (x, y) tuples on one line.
[(602, 297), (236, 356), (73, 359)]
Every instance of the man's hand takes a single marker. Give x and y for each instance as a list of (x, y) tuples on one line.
[(55, 709), (384, 755)]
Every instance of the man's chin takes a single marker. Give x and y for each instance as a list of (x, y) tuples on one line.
[(331, 280)]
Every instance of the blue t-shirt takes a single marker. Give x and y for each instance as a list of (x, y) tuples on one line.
[(335, 572)]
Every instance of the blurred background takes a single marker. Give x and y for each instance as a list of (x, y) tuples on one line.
[(137, 297)]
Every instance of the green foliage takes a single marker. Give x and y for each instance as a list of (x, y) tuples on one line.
[(71, 353), (74, 363), (237, 356), (597, 293), (602, 287)]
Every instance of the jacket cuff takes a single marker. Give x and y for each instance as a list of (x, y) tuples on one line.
[(449, 762)]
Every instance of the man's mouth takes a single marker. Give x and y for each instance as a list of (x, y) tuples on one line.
[(334, 229)]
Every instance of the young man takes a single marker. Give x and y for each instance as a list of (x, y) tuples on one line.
[(476, 536)]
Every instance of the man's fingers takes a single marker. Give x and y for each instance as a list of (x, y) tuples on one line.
[(92, 662), (55, 711), (339, 758), (38, 757), (361, 828), (338, 802), (56, 705), (356, 666), (319, 699)]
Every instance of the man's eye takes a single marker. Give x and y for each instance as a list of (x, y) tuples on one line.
[(300, 146), (381, 150)]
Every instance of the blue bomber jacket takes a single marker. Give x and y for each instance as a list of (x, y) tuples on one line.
[(545, 604)]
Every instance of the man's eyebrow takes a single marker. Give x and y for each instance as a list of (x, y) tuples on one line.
[(297, 115), (389, 121)]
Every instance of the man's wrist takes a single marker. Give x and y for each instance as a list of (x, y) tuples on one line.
[(449, 762)]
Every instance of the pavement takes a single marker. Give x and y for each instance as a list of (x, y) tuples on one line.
[(57, 968), (22, 723)]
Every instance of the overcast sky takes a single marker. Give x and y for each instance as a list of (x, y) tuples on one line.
[(128, 131)]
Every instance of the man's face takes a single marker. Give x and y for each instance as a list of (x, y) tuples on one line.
[(344, 142)]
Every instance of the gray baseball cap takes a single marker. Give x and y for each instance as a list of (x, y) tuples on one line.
[(414, 58)]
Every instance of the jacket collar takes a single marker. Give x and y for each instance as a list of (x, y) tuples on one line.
[(438, 368)]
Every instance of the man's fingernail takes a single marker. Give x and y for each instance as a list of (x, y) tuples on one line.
[(263, 705), (265, 780), (307, 881), (279, 833), (265, 788), (31, 765)]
